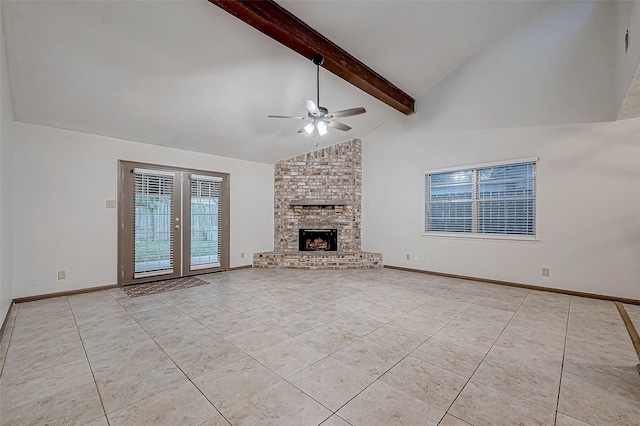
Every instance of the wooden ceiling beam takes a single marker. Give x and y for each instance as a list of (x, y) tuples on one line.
[(271, 19)]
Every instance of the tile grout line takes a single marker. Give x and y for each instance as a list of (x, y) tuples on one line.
[(95, 382), (631, 329), (326, 356), (188, 379), (564, 351), (485, 356), (84, 349), (256, 360), (285, 379), (376, 379), (10, 336), (290, 337), (247, 354), (404, 357), (159, 347)]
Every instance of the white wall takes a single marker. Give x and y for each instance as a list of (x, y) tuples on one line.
[(588, 208), (6, 148), (555, 68), (628, 17), (61, 182)]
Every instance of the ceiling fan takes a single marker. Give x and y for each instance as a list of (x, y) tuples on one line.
[(320, 116)]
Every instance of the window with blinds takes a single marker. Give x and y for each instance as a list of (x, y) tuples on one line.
[(153, 210), (496, 199), (206, 193)]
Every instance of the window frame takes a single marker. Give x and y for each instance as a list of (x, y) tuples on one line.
[(475, 187)]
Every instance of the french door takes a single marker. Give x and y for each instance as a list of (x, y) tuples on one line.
[(171, 222)]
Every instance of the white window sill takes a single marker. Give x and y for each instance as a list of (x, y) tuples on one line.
[(486, 237)]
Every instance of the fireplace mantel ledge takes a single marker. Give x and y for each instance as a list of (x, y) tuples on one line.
[(318, 203)]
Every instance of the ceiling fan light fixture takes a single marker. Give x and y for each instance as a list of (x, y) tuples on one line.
[(320, 117), (309, 127), (322, 128)]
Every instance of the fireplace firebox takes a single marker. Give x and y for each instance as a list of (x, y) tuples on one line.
[(318, 240)]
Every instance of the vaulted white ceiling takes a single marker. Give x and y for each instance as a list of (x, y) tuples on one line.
[(186, 74)]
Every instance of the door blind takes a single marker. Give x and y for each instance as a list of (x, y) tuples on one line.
[(153, 211), (206, 196)]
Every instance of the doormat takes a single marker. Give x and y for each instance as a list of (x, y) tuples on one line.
[(156, 287)]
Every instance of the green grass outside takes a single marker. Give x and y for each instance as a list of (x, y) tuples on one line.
[(156, 250)]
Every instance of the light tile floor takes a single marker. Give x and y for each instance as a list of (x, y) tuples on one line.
[(286, 347)]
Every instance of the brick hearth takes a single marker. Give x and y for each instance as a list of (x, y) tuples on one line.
[(317, 260)]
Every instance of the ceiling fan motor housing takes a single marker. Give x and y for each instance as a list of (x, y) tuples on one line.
[(323, 112)]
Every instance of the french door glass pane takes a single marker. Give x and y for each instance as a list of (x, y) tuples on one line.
[(153, 229), (205, 223)]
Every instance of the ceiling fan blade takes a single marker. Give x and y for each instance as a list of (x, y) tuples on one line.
[(337, 125), (347, 112), (311, 106), (287, 116)]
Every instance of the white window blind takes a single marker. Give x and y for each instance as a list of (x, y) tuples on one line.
[(206, 192), (497, 199), (206, 178), (153, 210)]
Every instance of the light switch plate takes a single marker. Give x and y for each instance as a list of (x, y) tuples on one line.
[(111, 204)]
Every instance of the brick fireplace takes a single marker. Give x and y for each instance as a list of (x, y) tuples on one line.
[(321, 191)]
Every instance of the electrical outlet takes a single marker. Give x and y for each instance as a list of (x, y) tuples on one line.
[(62, 275), (111, 204), (408, 257), (546, 272), (242, 255), (32, 281), (416, 257)]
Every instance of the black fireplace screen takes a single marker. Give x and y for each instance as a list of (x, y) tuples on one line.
[(318, 240)]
